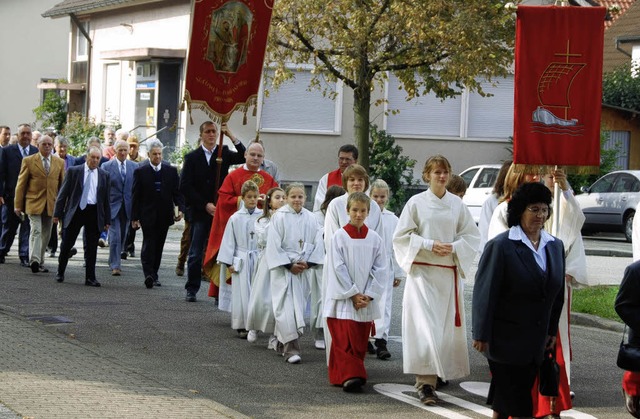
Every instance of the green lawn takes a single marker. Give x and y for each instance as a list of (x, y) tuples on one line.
[(596, 300)]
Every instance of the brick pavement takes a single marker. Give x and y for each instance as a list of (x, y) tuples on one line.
[(47, 375)]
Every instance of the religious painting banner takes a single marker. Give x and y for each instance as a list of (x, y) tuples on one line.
[(226, 55), (558, 85)]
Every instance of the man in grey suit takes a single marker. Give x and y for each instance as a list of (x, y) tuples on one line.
[(83, 201), (120, 171)]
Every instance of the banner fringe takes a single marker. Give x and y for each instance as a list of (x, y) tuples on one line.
[(216, 117)]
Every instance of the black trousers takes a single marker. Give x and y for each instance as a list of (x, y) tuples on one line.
[(82, 218), (153, 238)]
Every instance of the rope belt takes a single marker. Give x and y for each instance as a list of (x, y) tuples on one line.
[(454, 268)]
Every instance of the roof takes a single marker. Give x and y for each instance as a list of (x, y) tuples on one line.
[(625, 27), (624, 5), (83, 6)]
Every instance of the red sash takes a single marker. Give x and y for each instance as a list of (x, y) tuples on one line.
[(458, 322)]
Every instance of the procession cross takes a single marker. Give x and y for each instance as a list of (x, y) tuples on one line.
[(301, 243), (251, 233)]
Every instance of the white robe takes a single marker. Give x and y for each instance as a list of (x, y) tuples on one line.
[(321, 192), (315, 299), (355, 266), (432, 344), (238, 248), (571, 221), (292, 237), (260, 314), (389, 223), (488, 208)]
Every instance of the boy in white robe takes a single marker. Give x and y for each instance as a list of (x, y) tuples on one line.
[(294, 246), (356, 272), (239, 251), (435, 242), (380, 195)]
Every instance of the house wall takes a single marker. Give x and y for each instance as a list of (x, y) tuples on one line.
[(626, 25), (32, 48), (614, 120)]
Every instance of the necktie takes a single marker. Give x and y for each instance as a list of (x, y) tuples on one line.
[(46, 165), (25, 153), (122, 172), (85, 191)]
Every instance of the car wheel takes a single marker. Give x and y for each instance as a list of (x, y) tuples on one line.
[(628, 226)]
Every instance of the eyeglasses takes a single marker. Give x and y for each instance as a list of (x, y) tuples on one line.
[(210, 131), (544, 211)]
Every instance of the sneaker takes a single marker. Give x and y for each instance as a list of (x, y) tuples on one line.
[(370, 348), (319, 344), (273, 342), (242, 334), (180, 270), (427, 396), (102, 243), (294, 359), (252, 336), (381, 349)]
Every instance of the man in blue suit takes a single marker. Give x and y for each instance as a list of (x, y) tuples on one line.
[(120, 171), (83, 201), (10, 161)]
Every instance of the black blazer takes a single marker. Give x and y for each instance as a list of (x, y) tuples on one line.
[(68, 201), (149, 207), (514, 307), (628, 301), (83, 159), (198, 180), (10, 161)]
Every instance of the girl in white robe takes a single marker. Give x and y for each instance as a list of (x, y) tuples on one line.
[(260, 315), (394, 275), (571, 221), (239, 252), (435, 242), (356, 272), (293, 247)]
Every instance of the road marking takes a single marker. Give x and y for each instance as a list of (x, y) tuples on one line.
[(397, 391)]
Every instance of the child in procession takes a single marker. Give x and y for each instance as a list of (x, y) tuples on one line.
[(356, 271), (239, 252), (260, 315), (294, 246), (380, 195)]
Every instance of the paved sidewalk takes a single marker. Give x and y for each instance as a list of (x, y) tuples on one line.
[(47, 375)]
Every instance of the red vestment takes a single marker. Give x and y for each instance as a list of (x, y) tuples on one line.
[(229, 198), (334, 178)]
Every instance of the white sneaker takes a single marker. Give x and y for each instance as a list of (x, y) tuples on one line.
[(273, 342), (319, 344), (295, 359), (252, 336)]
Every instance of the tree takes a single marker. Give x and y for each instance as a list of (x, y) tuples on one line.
[(430, 46), (52, 113), (621, 87)]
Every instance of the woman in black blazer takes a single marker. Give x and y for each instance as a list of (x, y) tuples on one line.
[(517, 299)]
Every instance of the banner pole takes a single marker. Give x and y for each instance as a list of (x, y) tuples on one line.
[(555, 228)]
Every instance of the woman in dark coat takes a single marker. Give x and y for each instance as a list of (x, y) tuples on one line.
[(517, 299)]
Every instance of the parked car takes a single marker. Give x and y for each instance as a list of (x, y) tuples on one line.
[(480, 180), (610, 203)]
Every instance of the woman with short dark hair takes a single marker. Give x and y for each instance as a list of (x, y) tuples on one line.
[(517, 300)]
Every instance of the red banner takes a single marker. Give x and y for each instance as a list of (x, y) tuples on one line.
[(226, 54), (558, 85)]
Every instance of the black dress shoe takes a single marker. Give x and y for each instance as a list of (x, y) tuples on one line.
[(59, 277), (123, 255), (157, 283), (35, 267), (91, 283), (632, 404), (43, 270), (353, 385), (2, 259), (148, 281), (73, 252), (191, 297)]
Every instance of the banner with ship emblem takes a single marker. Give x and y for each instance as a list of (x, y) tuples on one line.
[(558, 85), (226, 54)]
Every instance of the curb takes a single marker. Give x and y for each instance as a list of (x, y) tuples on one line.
[(589, 320), (608, 252)]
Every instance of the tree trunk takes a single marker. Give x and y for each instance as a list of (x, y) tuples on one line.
[(361, 108)]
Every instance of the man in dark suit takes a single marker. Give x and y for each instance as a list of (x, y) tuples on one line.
[(83, 201), (10, 162), (199, 183), (155, 195), (120, 171)]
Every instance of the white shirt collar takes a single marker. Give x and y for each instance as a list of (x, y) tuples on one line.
[(516, 233), (156, 168)]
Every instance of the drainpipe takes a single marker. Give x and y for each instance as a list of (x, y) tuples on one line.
[(84, 33)]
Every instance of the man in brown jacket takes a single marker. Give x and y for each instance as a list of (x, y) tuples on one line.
[(40, 177)]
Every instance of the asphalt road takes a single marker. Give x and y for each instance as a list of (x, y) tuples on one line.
[(191, 347)]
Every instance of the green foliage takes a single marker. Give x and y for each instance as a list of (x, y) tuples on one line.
[(52, 113), (620, 88), (388, 163), (598, 301), (608, 159), (79, 129), (177, 155)]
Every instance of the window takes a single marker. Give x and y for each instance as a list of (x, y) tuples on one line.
[(293, 108), (467, 115), (82, 46), (603, 184), (468, 175)]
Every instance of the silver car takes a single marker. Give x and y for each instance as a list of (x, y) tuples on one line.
[(610, 203)]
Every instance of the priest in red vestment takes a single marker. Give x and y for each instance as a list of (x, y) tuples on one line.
[(347, 155), (229, 200)]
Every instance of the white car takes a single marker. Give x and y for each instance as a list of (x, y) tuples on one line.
[(480, 180)]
